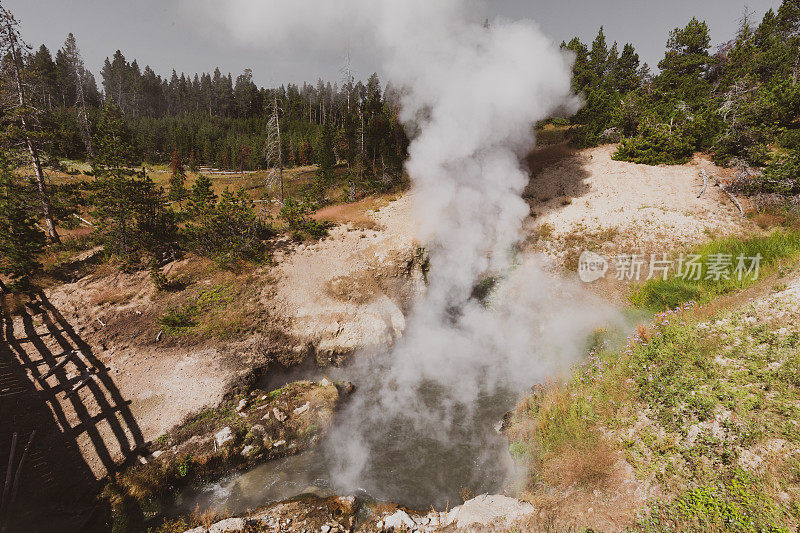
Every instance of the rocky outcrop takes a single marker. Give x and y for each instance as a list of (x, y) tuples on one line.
[(348, 292)]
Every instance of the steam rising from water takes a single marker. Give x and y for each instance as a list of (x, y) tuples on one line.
[(471, 95)]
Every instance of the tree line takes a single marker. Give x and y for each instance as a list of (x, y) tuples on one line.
[(210, 118)]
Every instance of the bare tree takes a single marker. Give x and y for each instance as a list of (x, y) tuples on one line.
[(357, 168), (75, 62), (272, 149), (10, 42)]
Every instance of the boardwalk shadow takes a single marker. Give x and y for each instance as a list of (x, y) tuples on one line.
[(52, 382)]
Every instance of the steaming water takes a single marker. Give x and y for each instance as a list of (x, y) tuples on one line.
[(420, 429), (408, 464)]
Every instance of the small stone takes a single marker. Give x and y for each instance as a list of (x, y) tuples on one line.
[(278, 443), (279, 415), (325, 382), (399, 520), (325, 528), (247, 450), (223, 436), (692, 434), (300, 410), (242, 405)]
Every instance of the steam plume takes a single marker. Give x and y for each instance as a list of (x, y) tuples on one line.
[(471, 95)]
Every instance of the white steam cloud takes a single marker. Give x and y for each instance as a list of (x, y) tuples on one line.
[(471, 96)]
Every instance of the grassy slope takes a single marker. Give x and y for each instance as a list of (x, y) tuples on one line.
[(703, 404)]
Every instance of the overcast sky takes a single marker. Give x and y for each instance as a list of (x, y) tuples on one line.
[(167, 34)]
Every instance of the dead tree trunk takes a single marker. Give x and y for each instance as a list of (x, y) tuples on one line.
[(84, 116), (47, 210)]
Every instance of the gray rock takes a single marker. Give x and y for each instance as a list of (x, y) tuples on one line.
[(223, 436), (241, 406), (223, 526), (302, 409), (399, 519), (486, 509)]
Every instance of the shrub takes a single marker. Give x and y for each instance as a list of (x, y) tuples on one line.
[(781, 176), (179, 318), (656, 145), (229, 230), (297, 215)]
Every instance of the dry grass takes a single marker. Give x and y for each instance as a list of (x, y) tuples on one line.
[(113, 296), (584, 239), (13, 304), (587, 464), (555, 433), (778, 216), (357, 214)]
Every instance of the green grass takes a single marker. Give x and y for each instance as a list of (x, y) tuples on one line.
[(179, 319), (732, 383), (659, 294)]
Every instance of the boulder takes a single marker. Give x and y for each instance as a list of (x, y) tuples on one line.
[(397, 521), (486, 509)]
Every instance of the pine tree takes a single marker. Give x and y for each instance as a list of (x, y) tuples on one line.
[(177, 181), (202, 199), (46, 76), (20, 241), (686, 63), (598, 56), (626, 70), (74, 73), (326, 159), (128, 205)]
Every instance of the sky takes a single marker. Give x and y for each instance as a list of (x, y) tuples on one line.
[(167, 34)]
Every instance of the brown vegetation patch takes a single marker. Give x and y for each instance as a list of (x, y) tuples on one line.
[(113, 295), (357, 214), (586, 464)]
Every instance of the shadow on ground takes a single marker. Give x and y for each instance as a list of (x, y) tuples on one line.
[(51, 383), (557, 176)]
